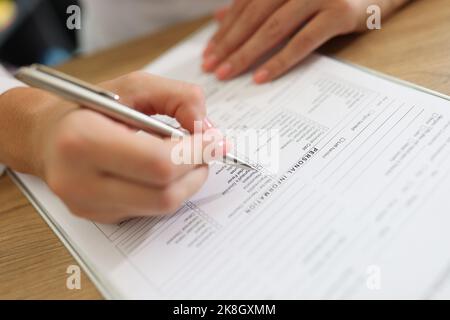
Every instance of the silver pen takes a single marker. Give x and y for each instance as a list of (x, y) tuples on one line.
[(104, 102)]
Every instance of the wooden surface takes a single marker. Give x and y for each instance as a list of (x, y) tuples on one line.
[(414, 45)]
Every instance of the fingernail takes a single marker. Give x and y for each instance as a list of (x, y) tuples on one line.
[(261, 76), (210, 62), (224, 71), (217, 148), (207, 124)]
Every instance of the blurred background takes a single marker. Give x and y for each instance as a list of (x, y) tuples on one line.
[(34, 31)]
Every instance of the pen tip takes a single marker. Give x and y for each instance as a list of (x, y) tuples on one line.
[(247, 166), (233, 160)]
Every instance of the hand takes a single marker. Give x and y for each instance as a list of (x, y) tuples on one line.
[(106, 172), (250, 29)]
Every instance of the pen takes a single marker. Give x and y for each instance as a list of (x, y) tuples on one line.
[(104, 102)]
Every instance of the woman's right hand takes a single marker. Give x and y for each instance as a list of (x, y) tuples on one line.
[(102, 169)]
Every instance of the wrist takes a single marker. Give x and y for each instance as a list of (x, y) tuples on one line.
[(27, 115)]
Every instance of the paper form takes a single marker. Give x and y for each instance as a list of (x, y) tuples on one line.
[(360, 206)]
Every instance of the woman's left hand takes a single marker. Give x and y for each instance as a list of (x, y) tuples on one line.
[(249, 29)]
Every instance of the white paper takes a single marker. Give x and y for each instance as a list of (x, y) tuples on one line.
[(360, 207)]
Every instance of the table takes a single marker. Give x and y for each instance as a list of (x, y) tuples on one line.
[(414, 45)]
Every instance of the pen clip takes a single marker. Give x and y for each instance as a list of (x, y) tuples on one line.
[(73, 80)]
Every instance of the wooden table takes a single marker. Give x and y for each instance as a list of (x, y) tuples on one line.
[(414, 46)]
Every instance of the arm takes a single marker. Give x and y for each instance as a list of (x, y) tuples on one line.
[(6, 83), (24, 114)]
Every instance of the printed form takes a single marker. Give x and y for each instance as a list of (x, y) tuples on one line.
[(360, 206)]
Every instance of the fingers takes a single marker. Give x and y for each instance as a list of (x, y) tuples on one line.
[(234, 12), (143, 158), (139, 200), (277, 28), (112, 173), (144, 200), (312, 36), (140, 158), (248, 22), (151, 94), (113, 200), (220, 14)]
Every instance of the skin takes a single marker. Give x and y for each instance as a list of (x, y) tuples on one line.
[(250, 29), (100, 168)]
